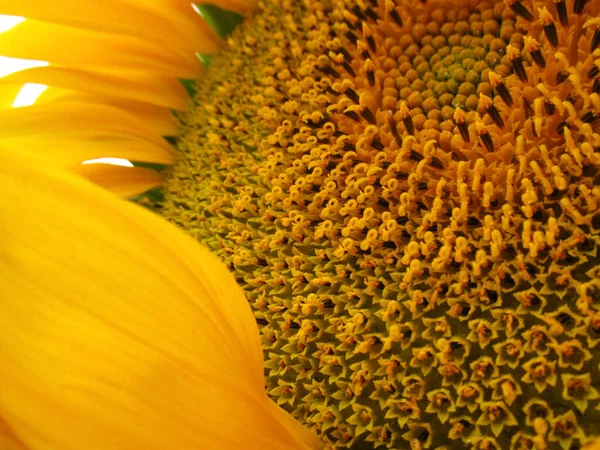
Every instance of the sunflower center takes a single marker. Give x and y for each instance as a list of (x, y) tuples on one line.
[(408, 193), (446, 57)]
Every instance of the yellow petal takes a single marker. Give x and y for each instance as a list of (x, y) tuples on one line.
[(66, 134), (80, 48), (77, 121), (120, 332), (66, 151), (8, 93), (8, 439), (137, 86), (160, 120), (122, 181), (150, 21), (179, 12)]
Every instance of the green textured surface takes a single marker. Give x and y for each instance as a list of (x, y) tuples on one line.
[(222, 21)]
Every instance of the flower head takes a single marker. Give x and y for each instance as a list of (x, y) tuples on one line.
[(406, 191), (419, 181)]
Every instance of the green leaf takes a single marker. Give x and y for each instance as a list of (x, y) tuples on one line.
[(148, 165), (205, 58), (189, 85), (222, 21)]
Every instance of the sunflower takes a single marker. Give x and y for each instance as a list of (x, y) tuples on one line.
[(407, 193), (118, 331)]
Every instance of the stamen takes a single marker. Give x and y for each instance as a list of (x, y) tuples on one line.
[(459, 120), (484, 136), (358, 12), (368, 114), (370, 71), (548, 26), (351, 36), (350, 19), (351, 113), (394, 130), (348, 23), (516, 61), (519, 9), (376, 144), (487, 105), (589, 117), (578, 6), (560, 128), (348, 69), (371, 14), (363, 50), (368, 35), (383, 202), (406, 118), (415, 156), (527, 108), (328, 70), (498, 84), (352, 95), (345, 52), (349, 146), (561, 76), (436, 162), (390, 8), (595, 40), (533, 47), (561, 9)]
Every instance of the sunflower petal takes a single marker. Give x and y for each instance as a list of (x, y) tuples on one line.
[(123, 181), (178, 10), (8, 439), (114, 70), (160, 120), (75, 120), (8, 93), (67, 134), (158, 90), (149, 20), (118, 331), (77, 47), (66, 151)]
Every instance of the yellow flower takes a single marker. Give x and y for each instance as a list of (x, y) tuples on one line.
[(406, 191), (118, 331)]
